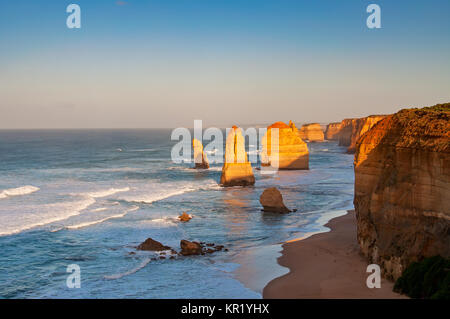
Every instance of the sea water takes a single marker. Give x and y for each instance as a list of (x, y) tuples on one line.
[(89, 197)]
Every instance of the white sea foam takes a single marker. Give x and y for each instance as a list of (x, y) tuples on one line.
[(51, 213), (143, 150), (167, 221), (101, 209), (151, 198), (106, 192), (24, 190), (94, 222), (214, 151), (130, 272)]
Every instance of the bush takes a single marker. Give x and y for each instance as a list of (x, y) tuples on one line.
[(429, 279)]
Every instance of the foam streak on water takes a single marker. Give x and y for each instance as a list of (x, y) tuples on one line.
[(24, 190)]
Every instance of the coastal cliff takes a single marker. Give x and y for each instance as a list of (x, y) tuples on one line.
[(311, 132), (291, 151), (332, 131), (236, 170), (352, 129), (402, 188)]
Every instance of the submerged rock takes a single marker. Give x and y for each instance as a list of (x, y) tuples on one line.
[(272, 201), (152, 245), (185, 217), (236, 170), (200, 158)]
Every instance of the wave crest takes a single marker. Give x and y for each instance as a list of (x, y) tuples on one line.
[(23, 190)]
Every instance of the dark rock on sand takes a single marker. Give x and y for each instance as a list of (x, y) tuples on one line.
[(272, 201)]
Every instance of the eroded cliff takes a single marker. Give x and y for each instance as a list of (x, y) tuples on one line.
[(352, 129), (402, 188), (311, 132), (332, 131)]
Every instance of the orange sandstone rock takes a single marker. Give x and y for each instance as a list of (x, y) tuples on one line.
[(272, 201), (332, 131), (185, 217), (312, 132), (352, 129), (402, 188), (200, 158), (291, 152), (236, 170)]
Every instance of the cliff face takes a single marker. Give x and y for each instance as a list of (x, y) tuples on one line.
[(352, 129), (291, 151), (236, 170), (402, 188), (311, 132), (332, 131), (200, 158), (361, 126)]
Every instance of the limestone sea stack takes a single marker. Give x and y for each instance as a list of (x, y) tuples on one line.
[(236, 170), (272, 201), (312, 132), (200, 158), (402, 188), (332, 131), (291, 151)]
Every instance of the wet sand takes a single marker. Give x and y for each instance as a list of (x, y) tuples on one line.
[(327, 265)]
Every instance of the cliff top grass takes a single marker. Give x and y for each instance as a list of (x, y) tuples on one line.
[(426, 128)]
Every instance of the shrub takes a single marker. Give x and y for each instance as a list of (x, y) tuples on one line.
[(428, 279)]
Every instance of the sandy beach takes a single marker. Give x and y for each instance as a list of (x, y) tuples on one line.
[(327, 265)]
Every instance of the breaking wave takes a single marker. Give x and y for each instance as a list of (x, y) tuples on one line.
[(24, 190)]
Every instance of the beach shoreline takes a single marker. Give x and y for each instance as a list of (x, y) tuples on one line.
[(327, 265)]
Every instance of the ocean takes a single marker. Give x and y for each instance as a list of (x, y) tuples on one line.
[(89, 197)]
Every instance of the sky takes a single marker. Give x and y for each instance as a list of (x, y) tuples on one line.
[(165, 63)]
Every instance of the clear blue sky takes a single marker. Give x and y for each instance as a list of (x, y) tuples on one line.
[(165, 63)]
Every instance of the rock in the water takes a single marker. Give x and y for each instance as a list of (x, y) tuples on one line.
[(311, 132), (291, 152), (236, 170), (402, 188), (185, 217), (332, 131), (200, 158), (152, 245), (272, 201), (190, 248)]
